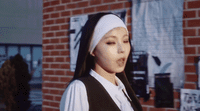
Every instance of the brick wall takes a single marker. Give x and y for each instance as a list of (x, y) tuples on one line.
[(56, 60)]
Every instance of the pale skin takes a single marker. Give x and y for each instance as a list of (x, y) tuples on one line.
[(111, 54)]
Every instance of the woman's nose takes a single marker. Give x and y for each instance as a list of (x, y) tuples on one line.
[(120, 48)]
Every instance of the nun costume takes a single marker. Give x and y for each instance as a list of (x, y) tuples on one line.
[(90, 90)]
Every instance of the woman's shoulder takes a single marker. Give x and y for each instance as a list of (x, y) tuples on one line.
[(76, 84)]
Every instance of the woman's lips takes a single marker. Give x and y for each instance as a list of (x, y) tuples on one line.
[(121, 62)]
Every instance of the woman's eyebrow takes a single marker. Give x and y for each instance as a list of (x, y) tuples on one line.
[(110, 37), (125, 35)]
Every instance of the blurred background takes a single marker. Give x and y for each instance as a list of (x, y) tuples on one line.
[(21, 33)]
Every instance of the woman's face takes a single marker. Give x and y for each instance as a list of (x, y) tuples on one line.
[(112, 51)]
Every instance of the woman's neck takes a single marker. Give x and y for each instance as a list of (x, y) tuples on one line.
[(107, 75)]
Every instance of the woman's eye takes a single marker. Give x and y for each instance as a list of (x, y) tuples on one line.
[(110, 43), (126, 41)]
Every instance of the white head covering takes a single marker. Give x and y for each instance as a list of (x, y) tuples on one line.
[(104, 25)]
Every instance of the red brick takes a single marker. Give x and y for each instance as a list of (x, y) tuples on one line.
[(95, 2), (49, 47), (67, 46), (189, 14), (66, 1), (65, 66), (190, 86), (193, 4), (129, 12), (60, 46), (171, 109), (78, 11), (193, 41), (56, 2), (54, 104), (184, 23), (59, 72), (67, 20), (46, 16), (62, 20), (45, 90), (43, 35), (177, 104), (128, 4), (176, 95), (199, 32), (189, 32), (65, 26), (107, 1), (156, 109), (58, 8), (199, 13), (102, 8), (76, 0), (193, 23), (53, 78), (49, 22), (45, 103), (60, 59), (67, 59), (144, 108), (198, 50), (62, 91), (57, 98), (190, 68), (54, 15), (149, 102), (53, 28), (189, 50), (55, 66), (116, 6), (45, 29), (55, 53), (190, 59), (51, 9), (65, 79), (69, 73), (129, 28), (152, 93), (60, 85), (49, 34), (184, 41), (45, 53), (64, 40), (48, 84), (71, 6), (89, 10), (65, 13), (45, 41), (129, 19), (45, 78), (49, 72), (64, 53), (82, 4), (47, 109), (49, 59), (46, 4), (60, 33), (191, 77), (54, 91), (54, 40), (48, 97)]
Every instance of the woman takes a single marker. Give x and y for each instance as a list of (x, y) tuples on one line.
[(99, 82)]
